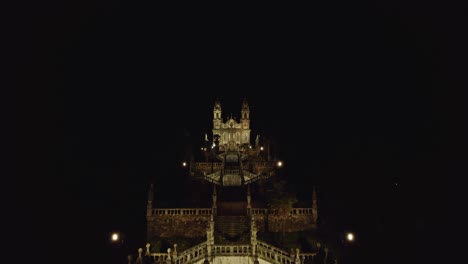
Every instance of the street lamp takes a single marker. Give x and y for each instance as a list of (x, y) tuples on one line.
[(184, 164), (115, 237), (348, 241), (279, 164)]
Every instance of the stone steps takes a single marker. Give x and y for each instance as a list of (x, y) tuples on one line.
[(232, 229)]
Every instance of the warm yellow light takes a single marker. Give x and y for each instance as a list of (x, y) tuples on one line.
[(261, 148), (280, 163), (115, 237), (350, 237), (184, 163)]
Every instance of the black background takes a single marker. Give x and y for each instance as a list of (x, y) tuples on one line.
[(358, 95)]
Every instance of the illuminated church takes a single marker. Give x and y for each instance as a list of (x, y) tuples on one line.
[(244, 216)]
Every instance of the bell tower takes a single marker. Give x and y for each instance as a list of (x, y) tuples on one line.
[(217, 119), (245, 112), (245, 121)]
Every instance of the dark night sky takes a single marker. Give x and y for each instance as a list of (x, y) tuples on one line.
[(357, 97)]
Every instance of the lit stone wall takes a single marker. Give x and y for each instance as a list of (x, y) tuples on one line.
[(177, 225), (295, 223)]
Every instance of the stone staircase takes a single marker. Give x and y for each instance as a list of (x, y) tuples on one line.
[(232, 229)]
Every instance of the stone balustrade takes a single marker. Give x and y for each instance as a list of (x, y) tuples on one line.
[(294, 211), (192, 254), (259, 211), (210, 167), (207, 167), (301, 211), (183, 211), (309, 257), (198, 252), (273, 254), (232, 250), (159, 257)]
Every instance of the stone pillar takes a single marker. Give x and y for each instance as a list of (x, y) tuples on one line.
[(297, 260), (175, 250), (139, 259), (149, 215), (253, 235), (215, 198), (147, 253), (149, 205), (314, 206), (210, 238), (249, 199), (169, 258)]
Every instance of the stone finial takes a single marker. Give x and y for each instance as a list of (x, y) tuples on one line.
[(314, 206), (147, 253), (169, 254), (175, 250), (149, 205), (139, 252), (151, 193), (314, 195), (129, 258)]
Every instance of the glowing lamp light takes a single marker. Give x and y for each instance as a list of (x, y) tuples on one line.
[(350, 237), (279, 164), (261, 148), (184, 164), (115, 237)]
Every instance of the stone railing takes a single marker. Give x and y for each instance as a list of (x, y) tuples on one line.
[(213, 177), (183, 211), (234, 171), (191, 255), (232, 250), (159, 257), (294, 211), (301, 211), (309, 257), (207, 167), (263, 250), (259, 211), (254, 177), (273, 254)]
